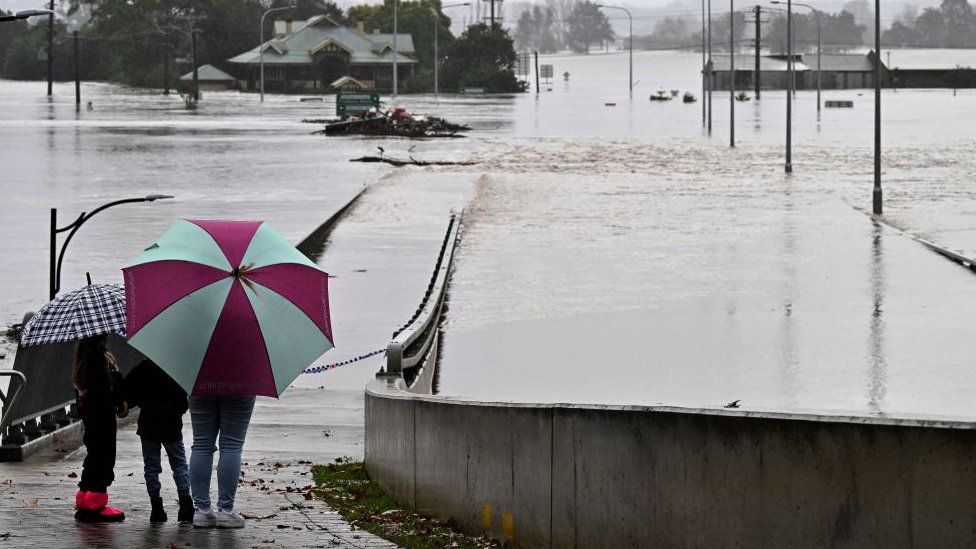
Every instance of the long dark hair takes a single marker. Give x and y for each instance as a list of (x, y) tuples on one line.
[(91, 352)]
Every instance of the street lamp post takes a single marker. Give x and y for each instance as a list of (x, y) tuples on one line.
[(876, 197), (24, 15), (630, 42), (261, 52), (704, 65), (789, 86), (396, 28), (732, 73), (58, 257), (711, 82), (817, 13), (437, 59)]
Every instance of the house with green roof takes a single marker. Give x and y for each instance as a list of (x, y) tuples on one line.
[(309, 56)]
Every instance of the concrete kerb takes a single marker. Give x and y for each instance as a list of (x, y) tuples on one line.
[(547, 475)]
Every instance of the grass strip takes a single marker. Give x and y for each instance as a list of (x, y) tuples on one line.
[(346, 487)]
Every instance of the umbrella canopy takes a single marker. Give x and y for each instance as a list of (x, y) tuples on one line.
[(90, 311), (227, 308)]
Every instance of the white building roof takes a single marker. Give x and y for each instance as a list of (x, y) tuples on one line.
[(929, 59)]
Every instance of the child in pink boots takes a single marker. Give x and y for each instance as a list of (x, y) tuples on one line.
[(98, 384)]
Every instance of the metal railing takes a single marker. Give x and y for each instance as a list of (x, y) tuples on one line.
[(8, 401), (416, 340)]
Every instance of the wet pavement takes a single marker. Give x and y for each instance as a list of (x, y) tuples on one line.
[(307, 426)]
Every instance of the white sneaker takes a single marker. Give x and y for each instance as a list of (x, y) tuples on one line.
[(229, 519), (204, 518)]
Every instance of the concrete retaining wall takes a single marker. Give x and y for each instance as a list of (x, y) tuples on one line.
[(616, 476)]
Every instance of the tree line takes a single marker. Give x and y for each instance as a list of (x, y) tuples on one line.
[(549, 28), (951, 25), (132, 41), (575, 25)]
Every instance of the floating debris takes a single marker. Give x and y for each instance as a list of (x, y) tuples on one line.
[(396, 122), (412, 162), (742, 96), (689, 97)]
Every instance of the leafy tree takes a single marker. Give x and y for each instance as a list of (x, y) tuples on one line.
[(839, 32), (535, 30), (668, 33), (483, 56), (588, 25), (415, 18), (952, 25)]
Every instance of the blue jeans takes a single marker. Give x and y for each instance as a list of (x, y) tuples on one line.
[(153, 466), (223, 418)]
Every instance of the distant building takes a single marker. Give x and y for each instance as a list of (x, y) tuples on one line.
[(210, 78), (311, 55), (838, 71), (914, 68), (932, 68)]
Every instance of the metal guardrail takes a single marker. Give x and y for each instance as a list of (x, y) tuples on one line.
[(8, 402), (416, 340)]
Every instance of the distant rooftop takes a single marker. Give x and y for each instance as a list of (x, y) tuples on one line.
[(747, 62), (929, 59), (208, 73), (320, 33)]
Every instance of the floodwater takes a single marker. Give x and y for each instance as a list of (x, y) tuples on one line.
[(614, 251)]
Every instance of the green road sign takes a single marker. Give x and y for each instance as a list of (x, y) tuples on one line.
[(355, 104)]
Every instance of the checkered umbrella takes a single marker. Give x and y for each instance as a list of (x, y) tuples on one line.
[(93, 310)]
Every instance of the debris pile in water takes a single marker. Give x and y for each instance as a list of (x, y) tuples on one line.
[(396, 122)]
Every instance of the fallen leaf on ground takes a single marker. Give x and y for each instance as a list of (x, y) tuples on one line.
[(255, 517)]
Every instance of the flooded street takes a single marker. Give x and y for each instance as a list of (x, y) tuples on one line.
[(612, 254)]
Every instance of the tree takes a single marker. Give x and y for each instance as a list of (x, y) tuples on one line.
[(484, 57), (588, 25), (416, 18), (669, 32)]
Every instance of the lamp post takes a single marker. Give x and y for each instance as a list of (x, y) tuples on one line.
[(58, 257), (396, 28), (711, 82), (704, 65), (437, 59), (731, 73), (817, 13), (261, 47), (876, 195), (24, 15), (630, 42), (789, 86)]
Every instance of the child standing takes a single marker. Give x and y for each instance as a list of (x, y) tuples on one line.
[(163, 403), (98, 386)]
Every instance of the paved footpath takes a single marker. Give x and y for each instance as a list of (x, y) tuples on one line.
[(287, 436)]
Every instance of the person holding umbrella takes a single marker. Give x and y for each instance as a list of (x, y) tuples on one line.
[(230, 311), (88, 315)]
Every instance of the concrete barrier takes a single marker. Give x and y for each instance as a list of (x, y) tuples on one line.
[(630, 476)]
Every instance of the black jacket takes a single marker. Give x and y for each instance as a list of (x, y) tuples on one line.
[(103, 394), (161, 400)]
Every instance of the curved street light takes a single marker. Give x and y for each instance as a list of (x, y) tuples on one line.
[(630, 41), (817, 13), (437, 59), (261, 47), (55, 280), (24, 15)]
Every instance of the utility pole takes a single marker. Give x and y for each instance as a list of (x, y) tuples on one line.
[(50, 51), (711, 68), (877, 197), (396, 31), (537, 72), (77, 73), (193, 54), (732, 73), (789, 86), (704, 66), (756, 75), (493, 13)]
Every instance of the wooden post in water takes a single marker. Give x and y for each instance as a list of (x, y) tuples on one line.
[(537, 72)]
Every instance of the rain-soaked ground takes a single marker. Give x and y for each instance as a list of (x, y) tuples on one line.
[(613, 253)]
